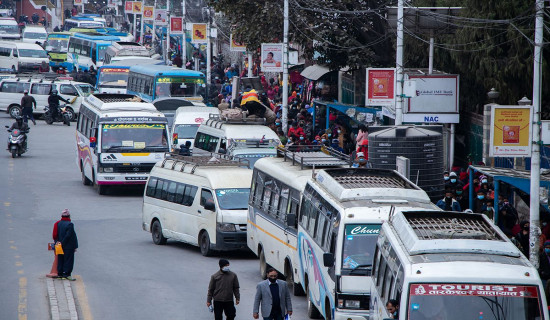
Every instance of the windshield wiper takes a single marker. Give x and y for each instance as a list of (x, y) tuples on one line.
[(361, 266), (115, 148)]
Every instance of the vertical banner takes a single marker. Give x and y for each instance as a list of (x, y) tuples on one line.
[(160, 17), (148, 13), (138, 7), (176, 24), (511, 131), (198, 33), (380, 87), (272, 57), (236, 46), (128, 7)]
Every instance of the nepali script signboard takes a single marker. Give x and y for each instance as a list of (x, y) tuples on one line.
[(511, 131), (380, 87)]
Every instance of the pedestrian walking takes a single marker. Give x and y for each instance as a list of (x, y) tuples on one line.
[(274, 296), (27, 103), (224, 284), (63, 231)]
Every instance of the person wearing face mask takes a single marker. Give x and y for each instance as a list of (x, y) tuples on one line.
[(523, 237), (224, 284), (393, 308), (462, 198), (480, 202), (453, 182), (446, 176), (508, 215), (273, 296), (449, 203), (544, 268)]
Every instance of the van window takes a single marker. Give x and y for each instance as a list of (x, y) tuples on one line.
[(14, 87), (5, 52), (68, 90), (151, 187), (158, 190), (206, 196), (41, 88), (189, 196)]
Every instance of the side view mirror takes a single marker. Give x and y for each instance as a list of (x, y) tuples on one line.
[(291, 220), (209, 205), (328, 259)]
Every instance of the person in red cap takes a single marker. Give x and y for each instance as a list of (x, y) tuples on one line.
[(63, 231)]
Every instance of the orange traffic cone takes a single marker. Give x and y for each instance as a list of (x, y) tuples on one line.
[(53, 273)]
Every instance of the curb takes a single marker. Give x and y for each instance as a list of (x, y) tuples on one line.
[(61, 299)]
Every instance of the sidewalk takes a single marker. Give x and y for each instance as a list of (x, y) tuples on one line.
[(61, 298)]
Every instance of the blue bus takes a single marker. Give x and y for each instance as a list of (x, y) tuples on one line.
[(88, 49), (113, 77), (152, 82)]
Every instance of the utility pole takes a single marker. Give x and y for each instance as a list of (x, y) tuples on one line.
[(285, 68), (208, 51), (250, 62), (168, 27), (184, 41), (399, 66), (534, 221)]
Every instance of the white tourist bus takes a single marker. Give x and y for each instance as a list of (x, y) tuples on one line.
[(453, 266), (277, 187), (119, 140), (341, 213)]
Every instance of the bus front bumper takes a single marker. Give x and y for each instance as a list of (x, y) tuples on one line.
[(119, 179), (344, 314)]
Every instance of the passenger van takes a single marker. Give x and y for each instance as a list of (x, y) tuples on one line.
[(19, 56), (187, 121), (11, 92), (244, 138), (9, 29), (452, 266), (34, 34), (200, 200)]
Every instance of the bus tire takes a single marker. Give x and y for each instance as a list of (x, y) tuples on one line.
[(156, 234), (312, 311), (294, 287), (263, 265), (328, 310), (85, 180), (204, 244)]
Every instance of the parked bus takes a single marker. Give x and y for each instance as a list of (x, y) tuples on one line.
[(126, 49), (278, 184), (88, 50), (119, 140), (56, 45), (81, 22), (340, 216), (453, 266), (151, 82), (113, 78)]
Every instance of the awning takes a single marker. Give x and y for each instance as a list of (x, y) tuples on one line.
[(314, 72)]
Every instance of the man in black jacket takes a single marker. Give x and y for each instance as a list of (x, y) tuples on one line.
[(223, 285), (53, 103), (27, 102), (63, 231)]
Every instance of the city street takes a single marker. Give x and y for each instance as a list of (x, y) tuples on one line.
[(120, 273)]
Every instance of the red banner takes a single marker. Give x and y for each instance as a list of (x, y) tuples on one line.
[(380, 86), (176, 24), (465, 289)]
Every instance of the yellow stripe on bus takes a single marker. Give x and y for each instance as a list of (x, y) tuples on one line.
[(273, 236), (135, 154)]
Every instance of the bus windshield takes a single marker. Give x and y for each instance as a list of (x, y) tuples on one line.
[(101, 52), (57, 44), (134, 136), (113, 76), (30, 53), (233, 199), (473, 301), (359, 245), (179, 87), (186, 131)]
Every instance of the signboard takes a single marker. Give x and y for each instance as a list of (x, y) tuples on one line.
[(160, 17), (236, 46), (138, 7), (434, 94), (77, 2), (111, 3), (128, 7), (198, 33), (430, 118), (464, 289), (272, 57), (510, 131), (380, 87), (176, 24), (148, 12)]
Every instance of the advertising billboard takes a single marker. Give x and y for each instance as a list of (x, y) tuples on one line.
[(435, 94), (272, 57), (198, 33), (380, 87), (510, 131), (236, 46)]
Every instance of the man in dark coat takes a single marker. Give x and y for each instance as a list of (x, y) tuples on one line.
[(63, 231)]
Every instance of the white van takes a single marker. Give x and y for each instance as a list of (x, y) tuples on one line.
[(245, 138), (11, 92), (34, 34), (20, 56), (9, 29), (187, 121), (201, 200)]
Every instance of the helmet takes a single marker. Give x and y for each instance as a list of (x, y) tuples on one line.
[(54, 91)]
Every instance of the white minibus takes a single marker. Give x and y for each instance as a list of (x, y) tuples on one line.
[(9, 29), (20, 56), (119, 140), (200, 200), (452, 266), (34, 34), (276, 192), (187, 121)]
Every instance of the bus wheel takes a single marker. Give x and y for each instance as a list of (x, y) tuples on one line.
[(263, 265), (328, 311), (204, 244), (294, 287), (312, 311), (85, 180), (156, 233)]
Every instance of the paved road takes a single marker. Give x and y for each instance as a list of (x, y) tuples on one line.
[(122, 274)]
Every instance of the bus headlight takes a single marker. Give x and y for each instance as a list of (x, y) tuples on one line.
[(108, 170), (226, 227)]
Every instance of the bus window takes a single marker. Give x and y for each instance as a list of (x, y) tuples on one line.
[(171, 191), (94, 54), (189, 196)]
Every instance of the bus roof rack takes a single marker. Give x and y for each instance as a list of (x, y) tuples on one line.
[(313, 156), (217, 121), (206, 160)]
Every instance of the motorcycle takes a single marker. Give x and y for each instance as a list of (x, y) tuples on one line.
[(63, 115), (17, 142)]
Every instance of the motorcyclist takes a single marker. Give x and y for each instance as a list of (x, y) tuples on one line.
[(53, 103), (22, 126)]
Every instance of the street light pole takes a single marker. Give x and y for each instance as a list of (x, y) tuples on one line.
[(399, 66), (285, 68)]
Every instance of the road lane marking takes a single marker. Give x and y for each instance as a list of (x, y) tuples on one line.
[(20, 271), (13, 247), (18, 263), (22, 307), (7, 204), (82, 299)]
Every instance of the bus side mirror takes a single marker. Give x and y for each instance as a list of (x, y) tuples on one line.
[(291, 220), (328, 259)]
